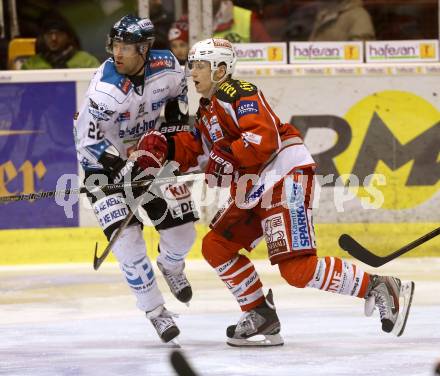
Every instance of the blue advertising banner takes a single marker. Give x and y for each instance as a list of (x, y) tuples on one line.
[(36, 148)]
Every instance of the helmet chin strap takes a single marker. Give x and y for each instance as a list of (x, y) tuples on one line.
[(143, 65), (140, 69), (216, 83)]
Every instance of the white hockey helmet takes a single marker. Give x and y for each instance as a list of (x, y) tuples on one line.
[(216, 51)]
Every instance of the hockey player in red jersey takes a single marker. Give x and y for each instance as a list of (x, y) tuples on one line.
[(245, 145)]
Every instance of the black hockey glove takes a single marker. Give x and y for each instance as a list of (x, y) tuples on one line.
[(117, 167)]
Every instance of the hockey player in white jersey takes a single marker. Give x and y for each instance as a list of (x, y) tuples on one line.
[(123, 102)]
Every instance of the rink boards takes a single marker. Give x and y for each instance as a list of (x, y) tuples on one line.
[(373, 130), (39, 246)]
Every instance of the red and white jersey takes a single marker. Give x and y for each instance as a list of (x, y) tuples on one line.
[(239, 117)]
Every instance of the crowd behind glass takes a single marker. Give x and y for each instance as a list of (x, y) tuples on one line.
[(79, 28)]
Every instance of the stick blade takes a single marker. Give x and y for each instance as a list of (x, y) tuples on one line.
[(350, 245), (96, 260), (181, 365)]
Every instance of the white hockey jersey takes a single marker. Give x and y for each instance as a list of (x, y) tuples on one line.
[(114, 113)]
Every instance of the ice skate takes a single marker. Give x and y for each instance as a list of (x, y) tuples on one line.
[(178, 283), (393, 299), (163, 322), (258, 327)]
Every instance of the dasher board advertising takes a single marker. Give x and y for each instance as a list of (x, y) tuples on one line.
[(326, 52), (261, 53), (407, 51)]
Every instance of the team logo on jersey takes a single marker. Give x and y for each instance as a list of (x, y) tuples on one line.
[(214, 129), (100, 111), (246, 108), (275, 234)]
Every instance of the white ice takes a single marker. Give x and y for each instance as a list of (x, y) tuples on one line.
[(71, 320)]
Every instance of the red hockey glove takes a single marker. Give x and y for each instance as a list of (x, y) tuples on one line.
[(155, 147), (220, 168)]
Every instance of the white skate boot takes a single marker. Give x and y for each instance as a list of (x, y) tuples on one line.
[(178, 283), (258, 327), (163, 322), (393, 299)]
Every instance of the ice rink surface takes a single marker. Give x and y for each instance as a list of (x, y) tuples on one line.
[(71, 320)]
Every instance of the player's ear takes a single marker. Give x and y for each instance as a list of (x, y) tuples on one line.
[(220, 72), (143, 48)]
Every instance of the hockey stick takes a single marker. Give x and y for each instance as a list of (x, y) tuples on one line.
[(181, 365), (104, 188), (348, 244), (158, 180), (98, 260)]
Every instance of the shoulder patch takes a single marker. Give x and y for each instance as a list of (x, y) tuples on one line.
[(111, 76), (232, 90), (159, 60), (247, 107), (100, 111)]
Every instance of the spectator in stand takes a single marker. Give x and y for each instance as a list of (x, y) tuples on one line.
[(179, 39), (58, 47), (162, 21), (238, 25), (299, 23), (342, 20)]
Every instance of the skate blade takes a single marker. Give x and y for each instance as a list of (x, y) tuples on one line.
[(174, 343), (370, 305), (406, 294), (258, 340)]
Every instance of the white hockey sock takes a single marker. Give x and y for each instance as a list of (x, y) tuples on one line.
[(130, 251), (174, 244)]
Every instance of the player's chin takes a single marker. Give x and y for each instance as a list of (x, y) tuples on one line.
[(197, 87), (121, 69)]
